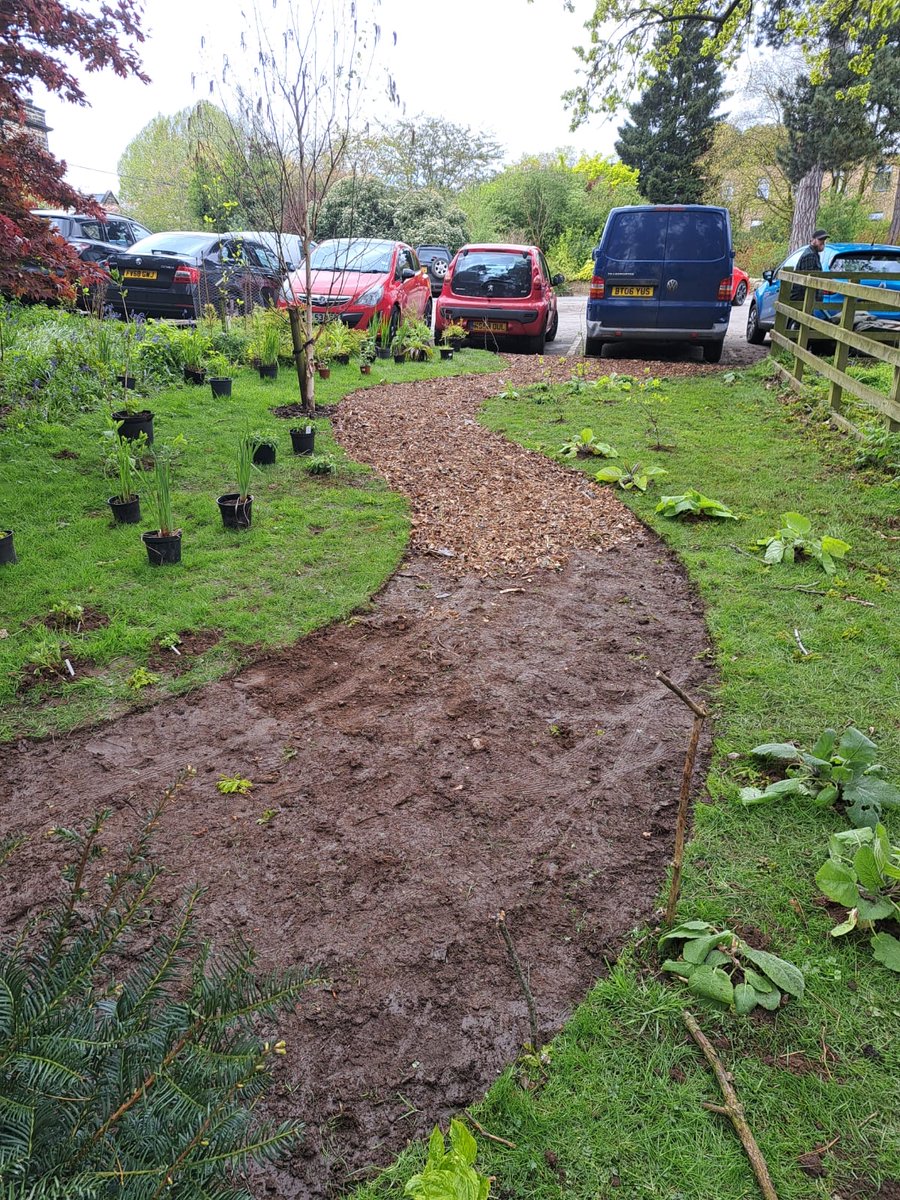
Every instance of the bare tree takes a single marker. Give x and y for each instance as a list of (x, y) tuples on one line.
[(292, 96)]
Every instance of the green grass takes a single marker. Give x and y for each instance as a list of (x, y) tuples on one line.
[(621, 1106), (318, 547)]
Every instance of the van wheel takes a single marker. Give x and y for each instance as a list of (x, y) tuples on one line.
[(593, 347), (755, 335), (712, 351)]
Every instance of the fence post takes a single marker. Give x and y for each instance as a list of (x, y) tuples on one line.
[(894, 425), (784, 290), (809, 303), (848, 314)]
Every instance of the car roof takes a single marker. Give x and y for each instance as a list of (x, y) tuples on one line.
[(74, 216), (506, 246), (843, 247), (360, 241)]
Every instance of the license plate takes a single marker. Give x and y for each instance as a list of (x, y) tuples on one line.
[(138, 274), (640, 292), (488, 326)]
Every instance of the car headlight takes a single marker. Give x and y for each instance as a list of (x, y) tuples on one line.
[(372, 296)]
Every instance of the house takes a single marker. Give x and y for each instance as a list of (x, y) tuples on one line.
[(107, 200)]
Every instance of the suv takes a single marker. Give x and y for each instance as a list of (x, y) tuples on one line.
[(111, 228), (662, 273), (436, 259)]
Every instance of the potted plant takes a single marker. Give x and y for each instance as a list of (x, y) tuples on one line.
[(265, 350), (237, 507), (452, 337), (126, 503), (383, 336), (219, 378), (7, 549), (194, 349), (164, 543), (341, 340), (367, 351), (124, 378), (264, 448), (413, 342), (303, 439), (133, 423)]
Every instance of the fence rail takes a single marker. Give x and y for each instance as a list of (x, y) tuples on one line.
[(796, 325)]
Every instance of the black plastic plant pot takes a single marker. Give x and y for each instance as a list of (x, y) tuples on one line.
[(342, 360), (236, 513), (125, 512), (399, 358), (194, 375), (446, 352), (303, 440), (133, 424), (7, 549), (382, 352), (263, 455), (162, 548), (268, 370), (220, 387), (126, 381)]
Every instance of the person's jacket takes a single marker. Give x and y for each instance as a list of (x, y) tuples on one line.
[(809, 261)]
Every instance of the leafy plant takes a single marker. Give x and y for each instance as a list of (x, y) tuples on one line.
[(266, 344), (693, 503), (584, 444), (147, 1075), (218, 367), (66, 612), (230, 785), (879, 448), (720, 966), (450, 1174), (195, 345), (836, 771), (244, 464), (163, 457), (263, 437), (45, 657), (633, 478), (319, 464), (862, 873), (383, 330), (266, 816), (795, 537), (141, 678), (336, 337), (454, 332), (413, 339), (169, 641)]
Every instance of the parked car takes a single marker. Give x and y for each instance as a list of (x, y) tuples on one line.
[(288, 244), (740, 286), (179, 274), (117, 230), (662, 273), (499, 292), (361, 280), (436, 260), (837, 257)]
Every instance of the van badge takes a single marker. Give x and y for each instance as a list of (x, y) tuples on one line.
[(672, 285)]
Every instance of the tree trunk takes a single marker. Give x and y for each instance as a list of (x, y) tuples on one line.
[(894, 231), (806, 206)]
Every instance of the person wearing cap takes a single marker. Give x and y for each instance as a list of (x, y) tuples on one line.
[(810, 260)]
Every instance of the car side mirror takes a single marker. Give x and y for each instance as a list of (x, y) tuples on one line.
[(768, 276), (407, 273), (556, 280)]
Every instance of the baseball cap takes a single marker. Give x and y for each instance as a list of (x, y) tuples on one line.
[(820, 233)]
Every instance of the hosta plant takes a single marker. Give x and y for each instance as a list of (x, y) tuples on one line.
[(718, 965), (795, 537), (450, 1174), (862, 873), (633, 478), (584, 444), (836, 771), (694, 504)]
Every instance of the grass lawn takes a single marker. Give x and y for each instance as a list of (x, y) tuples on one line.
[(318, 548), (618, 1111)]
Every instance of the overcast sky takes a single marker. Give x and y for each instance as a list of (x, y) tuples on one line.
[(498, 66)]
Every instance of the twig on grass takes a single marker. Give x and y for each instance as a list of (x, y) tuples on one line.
[(798, 640), (520, 975), (733, 1109), (492, 1137), (746, 554), (700, 715)]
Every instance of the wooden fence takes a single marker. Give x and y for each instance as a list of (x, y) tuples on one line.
[(796, 326)]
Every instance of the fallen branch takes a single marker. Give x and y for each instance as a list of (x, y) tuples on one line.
[(492, 1137), (733, 1109), (520, 975), (700, 715)]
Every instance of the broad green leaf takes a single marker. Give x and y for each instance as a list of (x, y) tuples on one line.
[(864, 811), (857, 751), (838, 883), (759, 983), (876, 910), (794, 786), (753, 795), (435, 1148), (834, 547), (848, 925), (697, 949), (774, 551), (776, 751), (824, 746), (886, 949), (587, 435), (769, 1000), (678, 966), (712, 983), (873, 790), (827, 562), (783, 974), (687, 929), (826, 796), (716, 958), (608, 475), (866, 869), (744, 999), (819, 766), (840, 774), (463, 1142), (797, 523)]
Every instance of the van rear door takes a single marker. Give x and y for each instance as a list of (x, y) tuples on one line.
[(630, 261), (698, 259)]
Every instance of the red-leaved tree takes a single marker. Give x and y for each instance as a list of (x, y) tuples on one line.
[(38, 39)]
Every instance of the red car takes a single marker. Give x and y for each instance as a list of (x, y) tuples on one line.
[(740, 286), (361, 280), (500, 292)]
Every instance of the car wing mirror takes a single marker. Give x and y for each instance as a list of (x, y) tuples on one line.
[(556, 280), (768, 276), (408, 273)]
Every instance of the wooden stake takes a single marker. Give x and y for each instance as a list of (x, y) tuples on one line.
[(520, 975), (700, 715), (733, 1109)]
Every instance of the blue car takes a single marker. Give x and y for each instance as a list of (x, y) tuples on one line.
[(837, 256)]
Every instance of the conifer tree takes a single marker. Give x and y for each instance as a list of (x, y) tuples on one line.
[(671, 126)]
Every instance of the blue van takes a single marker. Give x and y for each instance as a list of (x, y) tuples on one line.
[(662, 273)]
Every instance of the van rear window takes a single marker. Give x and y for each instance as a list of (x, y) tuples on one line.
[(696, 236), (639, 235)]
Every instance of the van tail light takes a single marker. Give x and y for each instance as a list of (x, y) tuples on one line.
[(725, 289), (598, 287), (186, 274)]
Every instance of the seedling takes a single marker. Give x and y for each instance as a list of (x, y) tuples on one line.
[(266, 816), (450, 1173), (862, 873), (717, 965), (633, 478), (694, 504), (796, 537), (141, 678), (585, 444), (170, 641), (230, 785), (320, 464), (66, 613)]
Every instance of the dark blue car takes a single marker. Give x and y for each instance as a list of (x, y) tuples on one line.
[(837, 256), (662, 273)]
